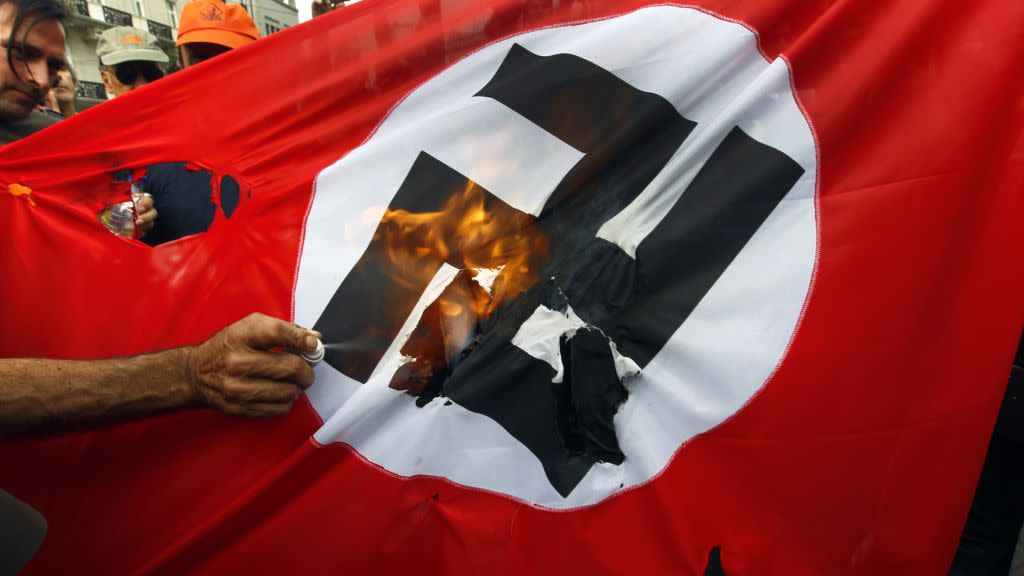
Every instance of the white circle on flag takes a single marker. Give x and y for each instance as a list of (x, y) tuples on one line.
[(712, 72)]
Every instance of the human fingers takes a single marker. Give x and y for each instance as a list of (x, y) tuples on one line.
[(279, 366), (145, 222), (262, 332), (264, 410), (241, 396), (143, 202), (258, 410), (147, 216), (254, 390)]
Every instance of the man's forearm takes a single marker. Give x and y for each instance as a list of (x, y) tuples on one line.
[(239, 371), (38, 395)]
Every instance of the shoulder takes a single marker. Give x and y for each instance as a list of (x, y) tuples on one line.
[(165, 169), (18, 129), (165, 174)]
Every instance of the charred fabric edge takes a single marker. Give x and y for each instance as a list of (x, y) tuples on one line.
[(425, 376)]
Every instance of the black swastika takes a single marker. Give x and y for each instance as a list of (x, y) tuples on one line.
[(627, 137)]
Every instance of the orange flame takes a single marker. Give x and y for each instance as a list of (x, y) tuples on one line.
[(472, 231)]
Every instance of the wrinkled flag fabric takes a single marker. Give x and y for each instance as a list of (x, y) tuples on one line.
[(611, 287)]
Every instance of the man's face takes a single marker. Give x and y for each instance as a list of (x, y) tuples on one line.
[(36, 58), (195, 52), (127, 76), (65, 88)]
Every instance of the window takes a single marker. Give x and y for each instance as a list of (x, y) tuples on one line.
[(173, 11)]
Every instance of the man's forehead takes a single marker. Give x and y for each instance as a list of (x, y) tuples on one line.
[(46, 34), (6, 17)]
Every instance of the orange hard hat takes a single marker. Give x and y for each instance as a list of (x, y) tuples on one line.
[(215, 22)]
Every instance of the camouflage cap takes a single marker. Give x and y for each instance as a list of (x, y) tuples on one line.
[(127, 44)]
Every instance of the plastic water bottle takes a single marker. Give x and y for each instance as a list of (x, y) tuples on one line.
[(119, 219)]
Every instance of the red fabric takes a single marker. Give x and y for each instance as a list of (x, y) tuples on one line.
[(859, 457)]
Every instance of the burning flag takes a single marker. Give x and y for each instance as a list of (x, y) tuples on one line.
[(591, 282), (606, 287)]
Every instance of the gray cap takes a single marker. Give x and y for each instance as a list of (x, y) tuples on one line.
[(127, 44)]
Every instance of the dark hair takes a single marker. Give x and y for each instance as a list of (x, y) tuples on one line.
[(38, 10)]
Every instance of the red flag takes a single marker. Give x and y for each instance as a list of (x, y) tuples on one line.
[(663, 279)]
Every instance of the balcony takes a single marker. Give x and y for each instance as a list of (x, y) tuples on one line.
[(91, 14), (161, 31), (81, 7), (116, 17), (93, 90)]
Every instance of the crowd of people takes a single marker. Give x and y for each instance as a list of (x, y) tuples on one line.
[(240, 371), (130, 58)]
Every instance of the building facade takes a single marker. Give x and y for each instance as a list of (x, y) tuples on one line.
[(272, 15), (89, 18)]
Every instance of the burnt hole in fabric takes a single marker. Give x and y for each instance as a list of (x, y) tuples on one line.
[(634, 304), (440, 338), (187, 199)]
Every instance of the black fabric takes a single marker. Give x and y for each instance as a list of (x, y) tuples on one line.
[(589, 395), (182, 198), (994, 522)]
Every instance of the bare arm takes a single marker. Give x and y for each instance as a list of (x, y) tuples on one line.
[(44, 394), (235, 371)]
